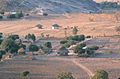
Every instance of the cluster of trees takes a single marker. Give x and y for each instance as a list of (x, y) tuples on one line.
[(72, 40), (30, 37), (83, 51), (16, 15), (47, 47)]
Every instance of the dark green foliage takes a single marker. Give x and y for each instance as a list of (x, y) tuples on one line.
[(77, 38), (48, 44), (79, 48), (25, 73), (69, 43), (1, 17), (75, 30), (13, 37), (2, 52), (22, 46), (101, 74), (109, 5), (9, 45), (19, 14), (30, 36), (66, 75), (33, 48), (63, 41), (45, 14)]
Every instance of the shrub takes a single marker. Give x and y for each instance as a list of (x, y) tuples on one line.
[(66, 75), (1, 17), (69, 43), (25, 73), (13, 37), (2, 52), (79, 48), (77, 38), (48, 44), (101, 74), (33, 48)]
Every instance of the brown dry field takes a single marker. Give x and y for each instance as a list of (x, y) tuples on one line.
[(42, 68), (102, 24), (112, 66)]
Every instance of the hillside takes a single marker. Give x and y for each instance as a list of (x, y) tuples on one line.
[(50, 6), (107, 0)]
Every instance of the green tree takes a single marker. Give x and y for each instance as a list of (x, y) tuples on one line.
[(33, 48), (13, 37), (9, 45), (48, 44), (79, 49), (25, 73), (30, 36), (2, 52), (75, 30), (66, 75), (101, 74)]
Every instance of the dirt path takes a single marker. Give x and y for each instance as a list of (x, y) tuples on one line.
[(88, 71), (91, 74)]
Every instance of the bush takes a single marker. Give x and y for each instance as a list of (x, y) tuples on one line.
[(101, 74), (66, 75), (77, 38), (1, 17), (2, 52), (79, 49), (48, 44), (33, 48), (69, 43), (13, 37), (25, 73)]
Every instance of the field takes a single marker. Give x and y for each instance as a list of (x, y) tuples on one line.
[(43, 68), (88, 24)]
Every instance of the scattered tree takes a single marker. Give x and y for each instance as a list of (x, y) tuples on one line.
[(48, 44), (33, 48), (75, 30), (101, 74), (25, 73)]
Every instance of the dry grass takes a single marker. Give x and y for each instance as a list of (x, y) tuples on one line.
[(101, 24)]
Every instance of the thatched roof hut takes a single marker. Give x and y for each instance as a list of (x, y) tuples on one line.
[(21, 51), (62, 51), (39, 26)]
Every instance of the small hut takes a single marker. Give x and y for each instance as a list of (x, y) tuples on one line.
[(39, 26), (56, 26), (21, 51), (62, 51)]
